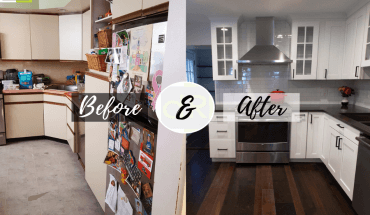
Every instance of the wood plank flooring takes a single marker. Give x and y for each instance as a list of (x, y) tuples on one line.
[(293, 189)]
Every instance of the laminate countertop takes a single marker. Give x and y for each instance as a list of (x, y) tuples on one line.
[(333, 110)]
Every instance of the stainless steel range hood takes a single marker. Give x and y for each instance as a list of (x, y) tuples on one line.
[(264, 52)]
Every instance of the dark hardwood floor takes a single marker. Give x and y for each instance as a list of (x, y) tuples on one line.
[(229, 188)]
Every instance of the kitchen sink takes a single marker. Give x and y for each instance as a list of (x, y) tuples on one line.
[(360, 117), (71, 88)]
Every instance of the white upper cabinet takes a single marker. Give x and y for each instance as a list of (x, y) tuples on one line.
[(86, 33), (70, 37), (298, 142), (366, 48), (305, 41), (15, 36), (354, 44), (152, 3), (224, 50), (315, 134), (44, 37), (331, 51)]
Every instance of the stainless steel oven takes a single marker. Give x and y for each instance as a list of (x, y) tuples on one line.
[(261, 141)]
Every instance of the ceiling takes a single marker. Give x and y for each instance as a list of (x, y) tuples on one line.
[(198, 10), (74, 6)]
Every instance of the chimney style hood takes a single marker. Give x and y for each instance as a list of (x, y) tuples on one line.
[(264, 52)]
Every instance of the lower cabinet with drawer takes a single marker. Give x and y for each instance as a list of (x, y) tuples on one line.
[(222, 136)]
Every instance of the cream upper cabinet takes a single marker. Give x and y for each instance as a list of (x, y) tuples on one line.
[(15, 36), (354, 44), (331, 51), (44, 37), (298, 140), (124, 7), (224, 50), (70, 37), (86, 34), (305, 41), (315, 133), (152, 3)]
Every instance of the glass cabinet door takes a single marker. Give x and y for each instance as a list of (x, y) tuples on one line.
[(366, 53), (225, 51), (305, 45)]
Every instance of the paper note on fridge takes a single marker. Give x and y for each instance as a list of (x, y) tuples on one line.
[(123, 204), (111, 197)]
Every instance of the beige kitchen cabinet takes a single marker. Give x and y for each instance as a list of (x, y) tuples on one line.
[(55, 120), (71, 139), (15, 36), (86, 34), (151, 3), (96, 140), (70, 37), (124, 7), (24, 120), (44, 37), (315, 135)]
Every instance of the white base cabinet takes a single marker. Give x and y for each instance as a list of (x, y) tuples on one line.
[(315, 135), (298, 140), (325, 146), (222, 136), (55, 121)]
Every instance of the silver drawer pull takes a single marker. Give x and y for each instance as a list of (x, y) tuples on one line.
[(220, 116), (222, 149), (221, 131)]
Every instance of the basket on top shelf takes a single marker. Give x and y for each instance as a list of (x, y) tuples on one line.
[(96, 62), (105, 38)]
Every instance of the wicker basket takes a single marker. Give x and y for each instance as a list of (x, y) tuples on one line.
[(96, 62), (105, 38)]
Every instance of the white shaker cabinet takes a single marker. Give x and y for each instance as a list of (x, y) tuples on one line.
[(354, 44), (366, 49), (15, 35), (348, 157), (44, 37), (331, 51), (55, 120), (298, 141), (325, 146), (305, 41), (70, 37), (224, 40), (315, 135), (334, 154)]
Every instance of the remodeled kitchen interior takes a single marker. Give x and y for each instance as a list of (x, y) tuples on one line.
[(52, 160), (318, 164)]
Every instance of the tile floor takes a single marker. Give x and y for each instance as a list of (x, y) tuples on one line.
[(29, 169)]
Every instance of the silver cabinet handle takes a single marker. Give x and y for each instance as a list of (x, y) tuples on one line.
[(222, 149), (220, 116), (221, 131)]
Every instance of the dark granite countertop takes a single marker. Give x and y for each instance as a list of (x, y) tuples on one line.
[(335, 111)]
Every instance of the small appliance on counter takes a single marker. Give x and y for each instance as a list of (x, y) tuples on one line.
[(40, 78), (12, 74)]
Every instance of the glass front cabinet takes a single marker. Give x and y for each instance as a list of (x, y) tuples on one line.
[(224, 50), (366, 49), (305, 40)]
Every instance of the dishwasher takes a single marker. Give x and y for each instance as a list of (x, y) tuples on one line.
[(361, 190)]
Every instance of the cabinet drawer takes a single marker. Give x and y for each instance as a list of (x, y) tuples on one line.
[(351, 134), (223, 117), (337, 125), (223, 130), (54, 98), (23, 98), (222, 148)]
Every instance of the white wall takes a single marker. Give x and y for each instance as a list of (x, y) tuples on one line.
[(198, 33), (167, 186)]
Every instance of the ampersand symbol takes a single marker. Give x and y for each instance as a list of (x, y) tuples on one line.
[(184, 105)]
